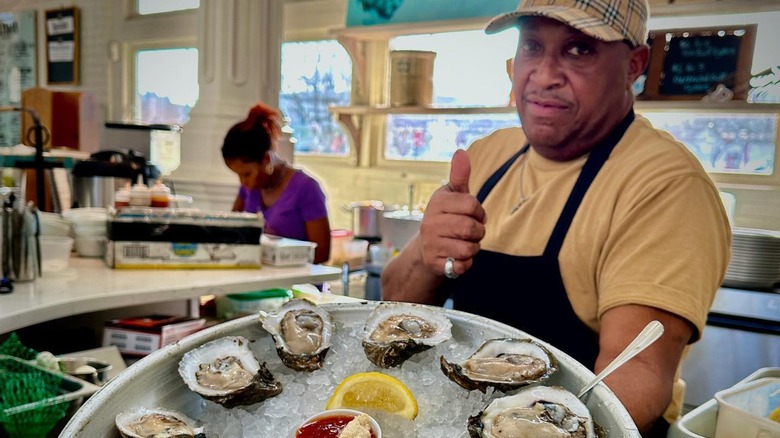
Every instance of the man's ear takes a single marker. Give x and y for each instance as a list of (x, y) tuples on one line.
[(637, 62)]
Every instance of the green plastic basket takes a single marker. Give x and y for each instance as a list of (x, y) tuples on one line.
[(34, 399)]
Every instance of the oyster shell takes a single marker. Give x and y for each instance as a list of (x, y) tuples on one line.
[(226, 371), (395, 331), (302, 332), (156, 423), (504, 364), (537, 411)]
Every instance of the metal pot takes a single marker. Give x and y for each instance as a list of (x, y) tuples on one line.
[(367, 218)]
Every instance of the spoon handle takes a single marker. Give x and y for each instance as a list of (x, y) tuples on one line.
[(647, 336)]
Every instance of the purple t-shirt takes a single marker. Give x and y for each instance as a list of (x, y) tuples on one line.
[(301, 201)]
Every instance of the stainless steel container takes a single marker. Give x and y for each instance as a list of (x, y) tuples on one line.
[(95, 181), (154, 381), (367, 218), (20, 247)]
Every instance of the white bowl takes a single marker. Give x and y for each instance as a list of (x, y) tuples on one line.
[(91, 246), (60, 228), (55, 252), (88, 212), (341, 412), (91, 229)]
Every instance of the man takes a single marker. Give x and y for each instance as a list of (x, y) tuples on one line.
[(587, 223)]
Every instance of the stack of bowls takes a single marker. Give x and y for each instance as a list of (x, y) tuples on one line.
[(90, 230)]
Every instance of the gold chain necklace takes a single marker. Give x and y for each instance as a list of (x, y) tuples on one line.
[(522, 199)]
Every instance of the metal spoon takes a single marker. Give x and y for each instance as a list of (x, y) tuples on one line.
[(644, 339)]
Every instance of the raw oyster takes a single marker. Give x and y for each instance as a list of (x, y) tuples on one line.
[(504, 364), (226, 371), (395, 331), (156, 423), (536, 411), (302, 333)]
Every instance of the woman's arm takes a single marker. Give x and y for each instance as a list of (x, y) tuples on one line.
[(318, 231), (238, 204)]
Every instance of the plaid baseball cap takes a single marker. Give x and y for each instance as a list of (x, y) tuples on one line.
[(606, 20)]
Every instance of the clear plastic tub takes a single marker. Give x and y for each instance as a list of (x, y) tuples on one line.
[(743, 410), (55, 252), (700, 422)]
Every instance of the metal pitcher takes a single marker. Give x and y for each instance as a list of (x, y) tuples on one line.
[(20, 246)]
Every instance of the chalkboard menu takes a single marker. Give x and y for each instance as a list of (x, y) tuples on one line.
[(690, 63)]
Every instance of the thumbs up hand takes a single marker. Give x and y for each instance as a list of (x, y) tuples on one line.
[(454, 221)]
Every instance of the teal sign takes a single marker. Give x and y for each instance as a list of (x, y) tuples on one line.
[(377, 12)]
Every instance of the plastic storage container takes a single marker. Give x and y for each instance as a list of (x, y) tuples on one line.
[(743, 410), (700, 422), (251, 303), (55, 252)]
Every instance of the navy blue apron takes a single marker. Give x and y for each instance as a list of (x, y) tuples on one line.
[(528, 292)]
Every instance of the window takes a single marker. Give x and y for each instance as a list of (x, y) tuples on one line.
[(166, 85), (724, 143), (146, 7), (465, 74), (436, 137), (315, 75)]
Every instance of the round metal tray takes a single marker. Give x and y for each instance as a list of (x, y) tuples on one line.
[(154, 381)]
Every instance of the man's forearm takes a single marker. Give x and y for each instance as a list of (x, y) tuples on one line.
[(407, 278)]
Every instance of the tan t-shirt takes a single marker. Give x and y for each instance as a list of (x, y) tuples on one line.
[(651, 229)]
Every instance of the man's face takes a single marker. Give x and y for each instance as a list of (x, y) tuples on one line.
[(571, 89)]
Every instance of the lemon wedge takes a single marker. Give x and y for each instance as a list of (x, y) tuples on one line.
[(775, 415), (375, 391)]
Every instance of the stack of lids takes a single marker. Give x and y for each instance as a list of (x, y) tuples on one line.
[(755, 259)]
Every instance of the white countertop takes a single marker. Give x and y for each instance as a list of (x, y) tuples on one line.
[(89, 285)]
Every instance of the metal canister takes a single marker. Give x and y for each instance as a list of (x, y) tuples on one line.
[(411, 77), (20, 247)]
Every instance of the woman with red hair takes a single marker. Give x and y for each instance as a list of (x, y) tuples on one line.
[(292, 202)]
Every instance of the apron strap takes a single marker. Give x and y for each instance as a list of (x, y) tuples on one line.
[(496, 176), (596, 160)]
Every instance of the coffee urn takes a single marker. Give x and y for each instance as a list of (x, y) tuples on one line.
[(96, 180)]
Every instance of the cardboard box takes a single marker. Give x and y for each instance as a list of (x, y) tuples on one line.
[(183, 238), (142, 335), (172, 255), (281, 251)]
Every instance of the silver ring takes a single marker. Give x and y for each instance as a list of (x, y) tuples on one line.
[(449, 268)]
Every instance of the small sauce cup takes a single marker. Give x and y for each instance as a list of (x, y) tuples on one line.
[(328, 424)]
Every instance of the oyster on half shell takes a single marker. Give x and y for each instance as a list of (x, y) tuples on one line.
[(156, 423), (396, 331), (504, 364), (536, 411), (302, 332), (226, 371)]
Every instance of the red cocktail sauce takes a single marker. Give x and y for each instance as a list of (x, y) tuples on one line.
[(328, 427)]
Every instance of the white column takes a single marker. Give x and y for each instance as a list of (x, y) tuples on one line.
[(239, 45)]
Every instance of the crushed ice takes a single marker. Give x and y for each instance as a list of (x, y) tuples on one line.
[(444, 407)]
